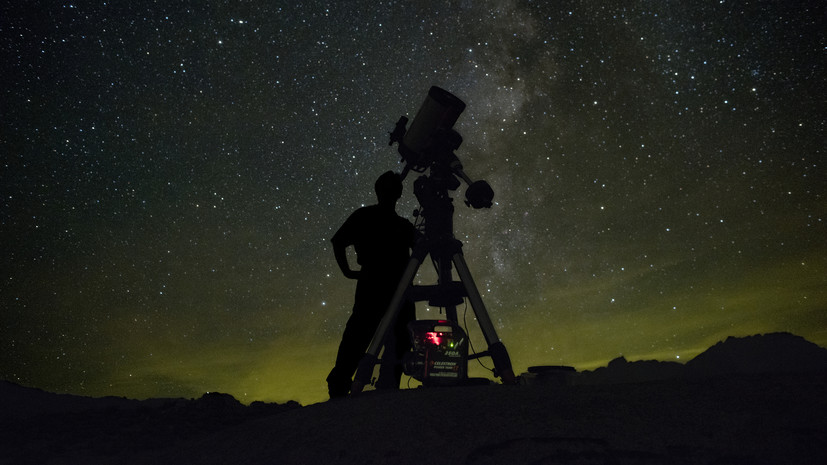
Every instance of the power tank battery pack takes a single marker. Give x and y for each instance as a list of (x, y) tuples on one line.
[(440, 353)]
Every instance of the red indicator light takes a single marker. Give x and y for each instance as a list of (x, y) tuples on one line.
[(433, 338)]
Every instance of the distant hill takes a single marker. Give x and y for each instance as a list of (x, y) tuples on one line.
[(763, 353), (17, 402)]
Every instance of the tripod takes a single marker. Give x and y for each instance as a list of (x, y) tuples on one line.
[(438, 241)]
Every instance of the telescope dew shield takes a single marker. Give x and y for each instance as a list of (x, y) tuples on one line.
[(435, 117)]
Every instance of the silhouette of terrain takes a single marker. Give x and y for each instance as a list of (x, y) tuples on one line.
[(766, 353), (758, 399)]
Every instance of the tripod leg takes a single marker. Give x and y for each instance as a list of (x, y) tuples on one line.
[(446, 277), (502, 362), (365, 369)]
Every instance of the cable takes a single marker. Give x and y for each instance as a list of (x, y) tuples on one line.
[(468, 334)]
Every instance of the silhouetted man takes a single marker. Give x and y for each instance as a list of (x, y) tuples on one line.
[(382, 240)]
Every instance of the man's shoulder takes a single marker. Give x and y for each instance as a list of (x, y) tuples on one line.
[(365, 212), (374, 214), (404, 221)]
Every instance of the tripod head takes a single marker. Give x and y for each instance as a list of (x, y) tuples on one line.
[(430, 143)]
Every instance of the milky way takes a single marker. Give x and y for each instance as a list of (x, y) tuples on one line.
[(171, 177)]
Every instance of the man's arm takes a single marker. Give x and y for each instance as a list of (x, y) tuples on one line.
[(341, 259)]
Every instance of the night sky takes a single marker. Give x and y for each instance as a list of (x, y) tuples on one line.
[(172, 174)]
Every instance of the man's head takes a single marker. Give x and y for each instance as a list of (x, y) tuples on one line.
[(388, 188)]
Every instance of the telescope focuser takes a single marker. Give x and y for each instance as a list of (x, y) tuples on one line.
[(479, 194), (399, 131)]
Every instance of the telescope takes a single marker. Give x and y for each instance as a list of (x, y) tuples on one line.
[(430, 143)]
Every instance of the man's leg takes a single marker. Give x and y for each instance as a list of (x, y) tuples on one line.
[(355, 341), (397, 343)]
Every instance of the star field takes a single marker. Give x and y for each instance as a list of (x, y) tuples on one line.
[(172, 174)]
